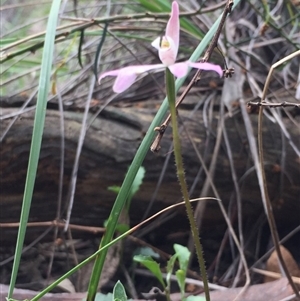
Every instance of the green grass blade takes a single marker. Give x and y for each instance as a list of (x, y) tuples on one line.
[(44, 85), (98, 51)]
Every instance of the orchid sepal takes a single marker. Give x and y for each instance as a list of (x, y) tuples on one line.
[(206, 66), (126, 76), (181, 69), (173, 27)]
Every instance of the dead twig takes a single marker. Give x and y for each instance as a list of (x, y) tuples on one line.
[(267, 204), (56, 223), (273, 274), (271, 105)]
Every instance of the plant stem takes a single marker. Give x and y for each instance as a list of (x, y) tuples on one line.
[(170, 87)]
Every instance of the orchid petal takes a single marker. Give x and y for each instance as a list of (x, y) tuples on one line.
[(179, 69), (108, 73), (123, 81), (207, 67), (173, 27), (126, 76), (156, 43)]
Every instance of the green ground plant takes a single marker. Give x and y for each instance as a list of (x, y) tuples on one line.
[(179, 259)]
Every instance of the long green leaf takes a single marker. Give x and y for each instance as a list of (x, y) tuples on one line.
[(38, 128)]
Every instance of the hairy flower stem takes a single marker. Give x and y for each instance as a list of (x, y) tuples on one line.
[(170, 87)]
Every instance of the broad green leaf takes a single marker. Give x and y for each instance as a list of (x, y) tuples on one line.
[(137, 182), (180, 275), (146, 251), (183, 254), (152, 266), (170, 267), (135, 185), (103, 297), (119, 293)]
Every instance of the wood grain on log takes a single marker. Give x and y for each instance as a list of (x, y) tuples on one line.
[(110, 145)]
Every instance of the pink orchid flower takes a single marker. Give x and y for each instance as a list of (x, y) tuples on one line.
[(167, 47)]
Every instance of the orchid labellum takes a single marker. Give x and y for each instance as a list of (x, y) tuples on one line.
[(167, 47)]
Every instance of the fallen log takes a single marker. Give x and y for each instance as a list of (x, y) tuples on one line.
[(109, 147)]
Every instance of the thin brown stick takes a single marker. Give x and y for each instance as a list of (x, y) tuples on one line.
[(273, 274), (155, 147), (268, 205), (271, 105), (55, 223)]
